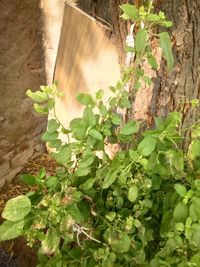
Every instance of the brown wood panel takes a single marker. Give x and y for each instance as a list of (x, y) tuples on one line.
[(86, 61)]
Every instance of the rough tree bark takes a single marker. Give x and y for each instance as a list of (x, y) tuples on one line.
[(183, 83)]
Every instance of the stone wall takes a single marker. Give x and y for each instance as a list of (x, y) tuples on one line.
[(21, 67)]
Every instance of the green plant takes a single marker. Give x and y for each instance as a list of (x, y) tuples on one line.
[(140, 208)]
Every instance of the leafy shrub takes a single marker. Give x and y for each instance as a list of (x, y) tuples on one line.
[(139, 208)]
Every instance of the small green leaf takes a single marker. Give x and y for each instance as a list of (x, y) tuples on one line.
[(166, 46), (55, 143), (79, 128), (153, 17), (194, 209), (96, 134), (130, 11), (180, 212), (16, 208), (110, 178), (52, 126), (82, 171), (129, 128), (89, 117), (116, 119), (122, 244), (140, 40), (63, 157), (195, 238), (195, 149), (103, 110), (10, 230), (86, 161), (40, 109), (180, 189), (133, 155), (88, 184), (147, 146), (133, 193), (85, 99), (28, 179), (99, 94), (38, 96), (51, 181), (152, 61), (47, 136), (51, 242), (76, 213), (111, 216)]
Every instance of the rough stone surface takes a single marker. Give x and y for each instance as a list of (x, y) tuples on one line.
[(21, 67)]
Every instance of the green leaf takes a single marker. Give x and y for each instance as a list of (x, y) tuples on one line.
[(152, 61), (180, 189), (133, 155), (155, 263), (86, 161), (96, 134), (129, 128), (51, 182), (194, 209), (133, 193), (82, 171), (140, 40), (180, 213), (195, 234), (110, 178), (28, 179), (140, 257), (55, 143), (76, 213), (47, 136), (122, 244), (103, 110), (147, 146), (85, 99), (111, 216), (51, 242), (166, 46), (10, 230), (40, 109), (16, 208), (52, 126), (88, 184), (130, 11), (195, 149), (89, 117), (116, 119), (38, 96), (99, 94), (153, 17), (63, 157), (79, 128)]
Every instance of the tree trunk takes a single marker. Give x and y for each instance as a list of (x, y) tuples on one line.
[(182, 84)]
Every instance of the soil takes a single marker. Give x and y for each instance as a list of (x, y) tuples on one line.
[(16, 250)]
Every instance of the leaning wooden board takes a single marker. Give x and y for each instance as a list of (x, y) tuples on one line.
[(86, 61)]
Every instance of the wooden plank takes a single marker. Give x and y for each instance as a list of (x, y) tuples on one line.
[(86, 61)]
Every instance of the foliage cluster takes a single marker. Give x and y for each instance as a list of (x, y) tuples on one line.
[(140, 208)]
